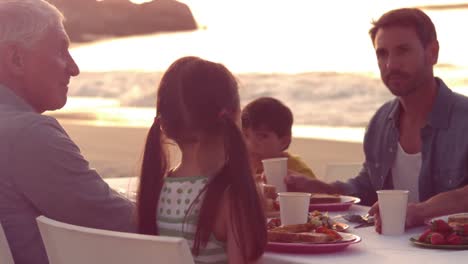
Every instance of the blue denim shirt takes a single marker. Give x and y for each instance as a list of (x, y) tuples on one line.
[(444, 149), (42, 172)]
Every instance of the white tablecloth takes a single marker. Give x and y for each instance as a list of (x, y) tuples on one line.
[(373, 248), (126, 186)]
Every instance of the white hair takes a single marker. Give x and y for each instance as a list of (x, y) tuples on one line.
[(26, 21)]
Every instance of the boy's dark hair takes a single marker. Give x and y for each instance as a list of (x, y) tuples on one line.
[(410, 18), (269, 113)]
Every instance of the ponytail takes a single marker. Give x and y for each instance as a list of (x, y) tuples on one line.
[(249, 218), (153, 169), (235, 177)]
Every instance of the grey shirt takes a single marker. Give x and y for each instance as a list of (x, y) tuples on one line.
[(42, 172), (444, 150)]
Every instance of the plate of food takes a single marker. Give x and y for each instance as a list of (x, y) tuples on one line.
[(311, 248), (308, 239), (331, 202), (317, 219), (445, 232)]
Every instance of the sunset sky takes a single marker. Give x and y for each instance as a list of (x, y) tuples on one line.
[(295, 37)]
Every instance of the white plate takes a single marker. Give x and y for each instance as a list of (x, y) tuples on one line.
[(443, 217), (343, 205)]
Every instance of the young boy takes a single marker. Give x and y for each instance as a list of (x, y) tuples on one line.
[(267, 123)]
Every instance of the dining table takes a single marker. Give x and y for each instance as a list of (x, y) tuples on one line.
[(373, 247)]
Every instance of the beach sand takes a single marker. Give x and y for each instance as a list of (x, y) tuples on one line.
[(117, 151)]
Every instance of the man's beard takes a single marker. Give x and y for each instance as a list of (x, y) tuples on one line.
[(409, 82)]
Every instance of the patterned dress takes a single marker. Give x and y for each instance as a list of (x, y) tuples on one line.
[(177, 195)]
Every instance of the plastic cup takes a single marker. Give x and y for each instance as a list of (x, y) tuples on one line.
[(275, 171), (294, 207), (392, 207)]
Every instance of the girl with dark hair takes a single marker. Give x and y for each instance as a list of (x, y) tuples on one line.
[(210, 198)]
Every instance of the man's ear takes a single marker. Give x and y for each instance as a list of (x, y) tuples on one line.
[(13, 58), (433, 50), (285, 141)]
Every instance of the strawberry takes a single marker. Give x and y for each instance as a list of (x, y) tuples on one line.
[(437, 239), (441, 226), (423, 236), (454, 239)]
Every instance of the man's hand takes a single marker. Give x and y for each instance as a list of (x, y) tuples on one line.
[(299, 183), (374, 211), (414, 216), (261, 178)]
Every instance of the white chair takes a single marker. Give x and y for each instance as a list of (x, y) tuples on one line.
[(71, 244), (341, 171), (5, 252)]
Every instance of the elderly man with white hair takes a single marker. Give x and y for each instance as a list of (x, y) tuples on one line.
[(42, 171)]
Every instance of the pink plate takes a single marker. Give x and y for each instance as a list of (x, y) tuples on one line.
[(345, 204), (308, 248)]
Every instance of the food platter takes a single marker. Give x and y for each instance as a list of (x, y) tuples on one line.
[(314, 248)]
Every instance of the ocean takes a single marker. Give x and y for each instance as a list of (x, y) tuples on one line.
[(315, 56)]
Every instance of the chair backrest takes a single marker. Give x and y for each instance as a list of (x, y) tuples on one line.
[(73, 244), (5, 252), (341, 171)]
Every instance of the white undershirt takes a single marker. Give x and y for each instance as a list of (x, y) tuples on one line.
[(405, 172)]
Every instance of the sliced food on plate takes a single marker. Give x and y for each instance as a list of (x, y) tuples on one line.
[(315, 218), (303, 233), (320, 228)]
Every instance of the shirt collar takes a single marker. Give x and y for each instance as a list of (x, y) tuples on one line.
[(9, 98), (439, 116)]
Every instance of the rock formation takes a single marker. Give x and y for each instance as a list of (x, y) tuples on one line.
[(90, 19)]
